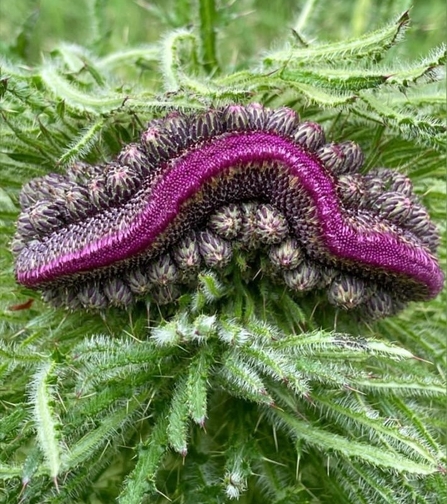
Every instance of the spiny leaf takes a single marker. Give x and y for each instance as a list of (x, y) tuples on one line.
[(177, 429), (95, 439), (171, 62), (424, 130), (372, 45), (351, 449), (197, 385), (147, 53), (94, 102), (83, 143), (243, 381), (47, 425), (337, 79), (141, 480)]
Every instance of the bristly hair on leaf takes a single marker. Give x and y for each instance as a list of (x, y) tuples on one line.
[(240, 386)]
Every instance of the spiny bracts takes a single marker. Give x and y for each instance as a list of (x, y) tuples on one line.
[(197, 187)]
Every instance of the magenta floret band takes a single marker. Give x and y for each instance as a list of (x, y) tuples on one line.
[(181, 182)]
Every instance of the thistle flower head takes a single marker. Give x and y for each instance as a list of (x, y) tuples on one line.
[(186, 253), (347, 291), (286, 255), (91, 297), (117, 292), (271, 225), (162, 271), (227, 221), (215, 251), (121, 182), (304, 277), (138, 281)]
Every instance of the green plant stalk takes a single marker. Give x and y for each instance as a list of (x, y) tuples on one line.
[(208, 17)]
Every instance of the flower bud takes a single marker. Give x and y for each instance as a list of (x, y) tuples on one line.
[(248, 236), (310, 135), (227, 221), (431, 237), (401, 184), (384, 174), (162, 271), (53, 186), (347, 291), (327, 274), (133, 156), (17, 245), (121, 182), (353, 157), (381, 304), (271, 225), (138, 281), (80, 172), (393, 206), (25, 229), (91, 297), (156, 144), (117, 292), (374, 187), (177, 127), (44, 217), (418, 220), (303, 278), (186, 253), (216, 252), (206, 125), (29, 195), (332, 156), (77, 202), (342, 158), (49, 188), (286, 255), (257, 116), (165, 294), (236, 118), (282, 121), (351, 188), (98, 194)]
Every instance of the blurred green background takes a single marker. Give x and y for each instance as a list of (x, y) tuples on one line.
[(31, 28)]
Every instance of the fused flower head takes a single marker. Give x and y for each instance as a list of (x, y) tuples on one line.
[(197, 188)]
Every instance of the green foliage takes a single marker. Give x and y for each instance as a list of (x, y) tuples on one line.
[(243, 390)]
